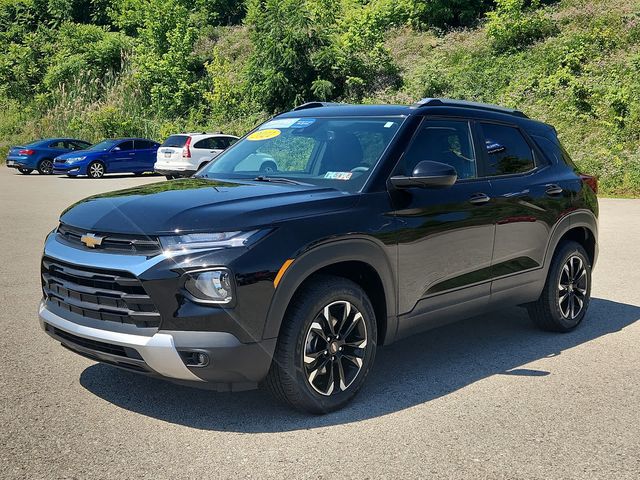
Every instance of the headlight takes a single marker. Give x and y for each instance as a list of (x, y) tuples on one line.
[(210, 286), (75, 159), (196, 241)]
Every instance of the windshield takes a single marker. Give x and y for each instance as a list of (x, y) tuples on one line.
[(335, 152), (104, 145)]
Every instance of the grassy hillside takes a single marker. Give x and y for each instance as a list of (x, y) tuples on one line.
[(129, 69), (584, 79)]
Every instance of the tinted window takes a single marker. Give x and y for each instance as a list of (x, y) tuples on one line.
[(58, 144), (444, 141), (77, 145), (176, 141), (507, 150), (211, 143), (554, 150), (144, 144), (128, 145)]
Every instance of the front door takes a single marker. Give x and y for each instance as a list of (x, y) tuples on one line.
[(446, 235)]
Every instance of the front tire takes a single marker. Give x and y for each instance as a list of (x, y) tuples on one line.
[(567, 291), (326, 346), (45, 167), (25, 171), (96, 170)]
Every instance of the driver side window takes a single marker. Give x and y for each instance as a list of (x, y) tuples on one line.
[(444, 141)]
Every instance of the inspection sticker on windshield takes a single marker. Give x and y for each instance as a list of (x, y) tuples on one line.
[(303, 123), (338, 175), (279, 123), (264, 134)]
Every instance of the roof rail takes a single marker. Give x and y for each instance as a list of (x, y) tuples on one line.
[(307, 105), (448, 102)]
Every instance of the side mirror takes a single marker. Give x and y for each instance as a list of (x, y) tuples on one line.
[(116, 149), (427, 174)]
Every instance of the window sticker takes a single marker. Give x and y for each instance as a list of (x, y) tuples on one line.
[(389, 124), (303, 123), (264, 134), (279, 123), (338, 175)]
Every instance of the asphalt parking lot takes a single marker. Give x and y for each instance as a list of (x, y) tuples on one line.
[(490, 397)]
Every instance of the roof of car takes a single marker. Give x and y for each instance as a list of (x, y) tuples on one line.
[(432, 106)]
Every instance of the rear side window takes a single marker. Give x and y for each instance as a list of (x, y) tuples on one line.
[(77, 145), (554, 150), (507, 152), (58, 144), (128, 145), (176, 141), (211, 143), (143, 144)]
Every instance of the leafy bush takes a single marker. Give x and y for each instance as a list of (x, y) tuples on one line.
[(513, 26)]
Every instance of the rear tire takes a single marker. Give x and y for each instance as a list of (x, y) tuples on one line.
[(45, 166), (138, 174), (96, 170), (169, 177), (567, 292), (319, 366), (25, 171)]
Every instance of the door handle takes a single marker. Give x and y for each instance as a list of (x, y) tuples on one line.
[(553, 189), (479, 198)]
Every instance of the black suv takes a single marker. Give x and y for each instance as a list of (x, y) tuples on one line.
[(374, 223)]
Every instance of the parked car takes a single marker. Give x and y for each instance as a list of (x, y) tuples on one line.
[(183, 154), (39, 155), (380, 222), (120, 155)]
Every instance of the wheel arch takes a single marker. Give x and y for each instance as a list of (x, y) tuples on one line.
[(580, 226), (361, 260)]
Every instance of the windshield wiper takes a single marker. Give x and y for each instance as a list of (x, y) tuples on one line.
[(262, 178)]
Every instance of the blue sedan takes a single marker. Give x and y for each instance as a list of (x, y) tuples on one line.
[(121, 155), (39, 155)]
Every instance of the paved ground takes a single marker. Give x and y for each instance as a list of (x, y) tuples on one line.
[(490, 397)]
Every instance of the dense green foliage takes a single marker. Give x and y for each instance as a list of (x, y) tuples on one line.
[(100, 68)]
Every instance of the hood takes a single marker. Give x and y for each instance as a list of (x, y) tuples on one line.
[(199, 205)]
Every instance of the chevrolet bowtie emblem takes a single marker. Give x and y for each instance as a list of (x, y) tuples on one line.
[(91, 240)]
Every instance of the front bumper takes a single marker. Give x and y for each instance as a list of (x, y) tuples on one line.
[(67, 169), (232, 365), (238, 357)]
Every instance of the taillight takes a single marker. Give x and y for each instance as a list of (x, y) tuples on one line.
[(591, 181), (25, 152), (186, 151)]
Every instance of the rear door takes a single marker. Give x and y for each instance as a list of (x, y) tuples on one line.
[(145, 155), (446, 238), (527, 201), (207, 149)]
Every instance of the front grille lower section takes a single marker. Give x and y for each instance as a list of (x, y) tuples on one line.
[(111, 242), (107, 295)]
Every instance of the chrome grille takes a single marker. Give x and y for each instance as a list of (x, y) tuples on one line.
[(107, 295)]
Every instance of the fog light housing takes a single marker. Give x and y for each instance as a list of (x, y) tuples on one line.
[(210, 286)]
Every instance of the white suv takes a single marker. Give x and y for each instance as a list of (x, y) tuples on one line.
[(183, 154)]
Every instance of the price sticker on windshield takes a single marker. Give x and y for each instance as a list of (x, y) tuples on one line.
[(264, 134)]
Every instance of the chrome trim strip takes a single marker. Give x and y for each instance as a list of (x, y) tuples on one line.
[(158, 351), (135, 264)]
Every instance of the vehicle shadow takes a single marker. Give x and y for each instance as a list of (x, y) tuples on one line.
[(407, 373)]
